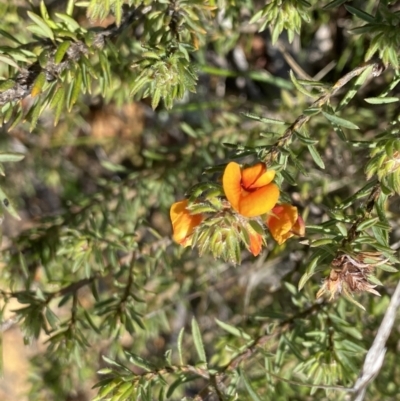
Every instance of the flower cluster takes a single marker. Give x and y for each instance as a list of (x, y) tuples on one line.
[(252, 203)]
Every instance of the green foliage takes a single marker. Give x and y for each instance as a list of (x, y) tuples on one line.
[(382, 28), (100, 9), (164, 75), (283, 15), (90, 271)]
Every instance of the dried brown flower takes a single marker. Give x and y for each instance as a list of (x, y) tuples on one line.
[(350, 274)]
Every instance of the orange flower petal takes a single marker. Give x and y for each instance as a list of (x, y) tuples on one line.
[(256, 176), (255, 243), (251, 174), (264, 179), (299, 228), (259, 202), (231, 181), (282, 221), (183, 223)]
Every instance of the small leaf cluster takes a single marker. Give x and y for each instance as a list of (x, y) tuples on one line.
[(385, 159), (383, 29), (56, 74), (180, 21), (98, 9), (283, 15), (164, 75), (155, 381)]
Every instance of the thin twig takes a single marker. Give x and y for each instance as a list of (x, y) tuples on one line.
[(69, 289), (263, 339), (324, 71), (274, 151), (292, 62), (376, 354)]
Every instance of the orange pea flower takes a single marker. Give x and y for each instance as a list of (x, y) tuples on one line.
[(183, 223), (250, 191), (284, 222), (255, 242)]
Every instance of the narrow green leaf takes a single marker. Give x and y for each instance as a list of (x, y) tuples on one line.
[(105, 66), (198, 342), (118, 12), (291, 345), (178, 382), (387, 268), (113, 49), (367, 224), (288, 177), (312, 111), (61, 50), (300, 87), (16, 118), (139, 361), (23, 265), (319, 242), (89, 67), (316, 156), (6, 84), (233, 330), (254, 396), (105, 371), (381, 100), (340, 121), (7, 111), (51, 318), (107, 385), (333, 4), (360, 14), (8, 60), (90, 321), (115, 363), (57, 103), (260, 75), (313, 266), (11, 157), (10, 37), (264, 119), (179, 345), (45, 15), (187, 129), (69, 21), (355, 86), (41, 24), (361, 193), (33, 114), (156, 96), (38, 84), (305, 139), (75, 89)]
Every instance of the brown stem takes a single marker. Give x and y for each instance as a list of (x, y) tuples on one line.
[(373, 197), (321, 101), (69, 289), (261, 340)]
